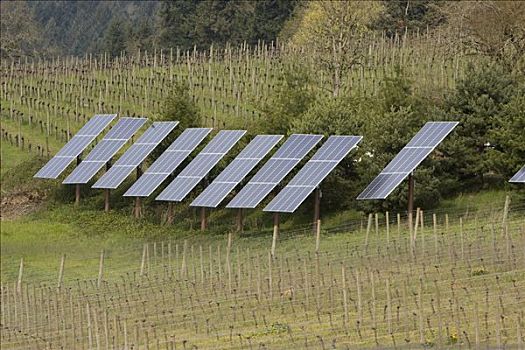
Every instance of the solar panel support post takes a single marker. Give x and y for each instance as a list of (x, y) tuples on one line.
[(317, 208), (410, 194), (138, 208), (240, 223), (169, 216), (77, 186), (275, 232), (138, 204), (106, 200), (204, 223), (106, 191)]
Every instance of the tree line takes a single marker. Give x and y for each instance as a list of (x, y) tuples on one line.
[(51, 28)]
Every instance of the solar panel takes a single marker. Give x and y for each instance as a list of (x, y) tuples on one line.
[(519, 176), (310, 176), (421, 145), (249, 157), (275, 170), (201, 165), (168, 162), (75, 146), (105, 149), (135, 155)]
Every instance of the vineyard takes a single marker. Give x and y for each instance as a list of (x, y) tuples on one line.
[(45, 102), (441, 279), (449, 281)]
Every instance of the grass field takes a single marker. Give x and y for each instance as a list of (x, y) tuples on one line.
[(455, 284)]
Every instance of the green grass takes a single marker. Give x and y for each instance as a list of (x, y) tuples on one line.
[(471, 268), (11, 156), (81, 233)]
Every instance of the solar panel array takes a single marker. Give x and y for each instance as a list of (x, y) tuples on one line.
[(201, 165), (275, 170), (519, 176), (421, 145), (168, 162), (75, 146), (135, 155), (105, 150), (241, 166), (310, 176)]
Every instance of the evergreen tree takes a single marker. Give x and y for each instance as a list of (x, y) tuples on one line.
[(177, 23), (478, 103), (115, 40), (409, 14)]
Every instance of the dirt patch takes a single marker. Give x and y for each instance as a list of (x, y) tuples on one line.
[(19, 203)]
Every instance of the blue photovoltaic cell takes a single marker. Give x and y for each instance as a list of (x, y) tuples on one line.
[(236, 171), (407, 160), (135, 155), (168, 162), (201, 165), (289, 199), (125, 128), (257, 191), (421, 145), (147, 184), (382, 185), (275, 170), (221, 144), (519, 176), (313, 173), (105, 149), (75, 146), (431, 134), (114, 177)]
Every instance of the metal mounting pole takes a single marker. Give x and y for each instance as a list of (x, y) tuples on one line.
[(106, 191), (240, 223), (138, 208), (169, 217), (275, 232), (106, 200), (410, 194), (410, 203), (138, 204), (317, 207), (204, 224), (77, 186)]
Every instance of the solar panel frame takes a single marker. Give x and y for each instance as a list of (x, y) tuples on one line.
[(74, 147), (294, 149), (408, 159), (322, 163), (168, 162), (519, 177), (236, 171), (199, 167), (135, 155), (109, 145)]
